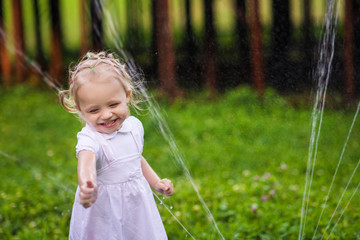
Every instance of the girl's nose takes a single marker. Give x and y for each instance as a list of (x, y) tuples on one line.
[(106, 114)]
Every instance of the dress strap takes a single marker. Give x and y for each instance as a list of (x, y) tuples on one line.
[(138, 139)]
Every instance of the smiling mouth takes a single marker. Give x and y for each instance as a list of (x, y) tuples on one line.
[(109, 123)]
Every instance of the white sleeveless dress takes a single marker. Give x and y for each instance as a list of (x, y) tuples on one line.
[(125, 208)]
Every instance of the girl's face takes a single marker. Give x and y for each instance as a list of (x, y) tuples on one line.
[(103, 104)]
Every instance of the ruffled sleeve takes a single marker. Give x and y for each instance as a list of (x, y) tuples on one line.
[(87, 141)]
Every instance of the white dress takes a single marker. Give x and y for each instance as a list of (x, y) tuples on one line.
[(125, 207)]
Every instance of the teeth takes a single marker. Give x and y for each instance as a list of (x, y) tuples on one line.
[(109, 123)]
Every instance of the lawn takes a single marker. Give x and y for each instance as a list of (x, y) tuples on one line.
[(247, 158)]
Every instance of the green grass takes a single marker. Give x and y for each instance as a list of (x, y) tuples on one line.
[(238, 149)]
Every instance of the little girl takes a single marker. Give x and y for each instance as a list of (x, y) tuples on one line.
[(113, 199)]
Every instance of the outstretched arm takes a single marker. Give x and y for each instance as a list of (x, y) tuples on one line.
[(164, 186), (87, 178)]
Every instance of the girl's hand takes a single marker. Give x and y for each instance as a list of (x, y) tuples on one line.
[(164, 186), (88, 194)]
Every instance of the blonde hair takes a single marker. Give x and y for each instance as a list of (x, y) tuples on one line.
[(97, 63)]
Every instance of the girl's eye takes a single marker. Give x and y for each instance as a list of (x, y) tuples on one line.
[(93, 111), (114, 105)]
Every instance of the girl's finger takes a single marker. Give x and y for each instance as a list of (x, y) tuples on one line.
[(87, 190), (85, 198), (89, 184), (87, 205)]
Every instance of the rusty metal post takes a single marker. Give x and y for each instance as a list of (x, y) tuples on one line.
[(210, 49), (348, 51), (18, 40), (84, 30), (256, 48), (96, 25), (165, 49), (56, 68), (4, 54)]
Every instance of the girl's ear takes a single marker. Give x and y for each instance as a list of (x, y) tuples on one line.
[(77, 108), (80, 113), (128, 94)]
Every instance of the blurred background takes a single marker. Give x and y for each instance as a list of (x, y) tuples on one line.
[(182, 45)]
